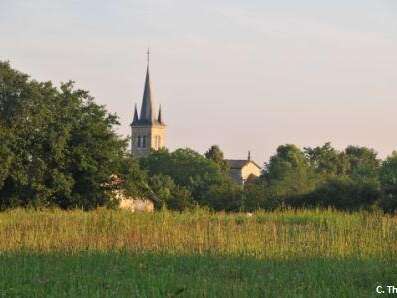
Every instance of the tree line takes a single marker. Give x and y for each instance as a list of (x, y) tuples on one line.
[(59, 148)]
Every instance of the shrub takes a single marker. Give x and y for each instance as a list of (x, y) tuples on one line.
[(341, 193)]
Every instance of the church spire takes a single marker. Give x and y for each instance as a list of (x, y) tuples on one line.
[(147, 128), (147, 104), (136, 119)]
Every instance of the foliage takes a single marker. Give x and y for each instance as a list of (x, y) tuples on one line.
[(326, 161), (60, 145), (363, 162), (190, 171), (288, 173), (59, 148), (172, 196), (6, 155), (258, 195), (342, 193), (227, 197), (323, 176), (216, 155), (388, 180)]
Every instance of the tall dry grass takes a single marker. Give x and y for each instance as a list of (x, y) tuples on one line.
[(276, 235)]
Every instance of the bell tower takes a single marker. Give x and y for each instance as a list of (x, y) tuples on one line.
[(147, 128)]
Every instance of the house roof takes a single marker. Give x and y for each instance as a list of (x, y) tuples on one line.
[(239, 163)]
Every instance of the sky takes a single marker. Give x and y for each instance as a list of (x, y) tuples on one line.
[(246, 75)]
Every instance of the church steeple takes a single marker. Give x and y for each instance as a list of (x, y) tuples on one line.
[(147, 103), (148, 128)]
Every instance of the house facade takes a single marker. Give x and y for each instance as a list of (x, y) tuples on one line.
[(242, 170)]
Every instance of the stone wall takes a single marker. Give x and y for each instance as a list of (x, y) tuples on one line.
[(133, 204), (250, 169), (137, 205), (151, 132)]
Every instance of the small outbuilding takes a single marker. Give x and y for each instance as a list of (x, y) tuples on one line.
[(127, 202), (136, 204), (242, 170)]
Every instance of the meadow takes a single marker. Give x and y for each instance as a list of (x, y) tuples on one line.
[(105, 253)]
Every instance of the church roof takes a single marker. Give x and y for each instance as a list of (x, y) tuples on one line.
[(147, 103), (147, 115), (239, 163)]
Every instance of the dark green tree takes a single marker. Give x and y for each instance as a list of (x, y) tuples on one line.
[(288, 173), (58, 147), (134, 179), (342, 193), (388, 180), (6, 155), (172, 196), (187, 169), (363, 162), (326, 161), (216, 155), (258, 195), (227, 196)]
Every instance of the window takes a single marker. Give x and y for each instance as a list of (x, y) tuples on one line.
[(144, 141), (139, 141)]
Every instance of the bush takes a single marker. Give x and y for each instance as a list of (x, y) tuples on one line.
[(341, 193), (172, 196), (258, 196), (225, 197)]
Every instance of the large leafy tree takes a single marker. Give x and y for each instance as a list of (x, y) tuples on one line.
[(345, 180), (326, 161), (58, 146), (187, 169), (216, 155), (288, 172), (363, 162)]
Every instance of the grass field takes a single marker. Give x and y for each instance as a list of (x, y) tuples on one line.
[(107, 253)]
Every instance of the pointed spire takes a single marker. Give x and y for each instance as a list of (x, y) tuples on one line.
[(147, 115), (249, 155), (159, 118), (136, 119), (147, 104)]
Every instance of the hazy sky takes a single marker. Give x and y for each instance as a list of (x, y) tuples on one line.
[(246, 75)]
